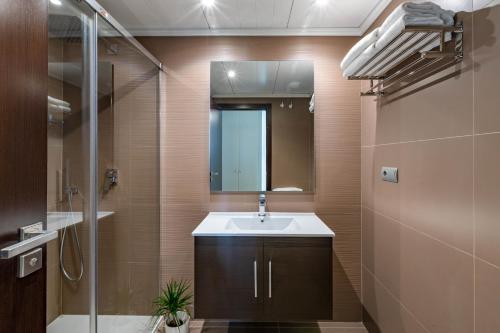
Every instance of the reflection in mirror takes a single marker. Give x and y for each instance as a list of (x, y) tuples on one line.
[(262, 126)]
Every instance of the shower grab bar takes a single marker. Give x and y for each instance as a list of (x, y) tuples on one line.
[(31, 236)]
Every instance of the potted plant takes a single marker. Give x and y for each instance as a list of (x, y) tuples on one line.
[(172, 305)]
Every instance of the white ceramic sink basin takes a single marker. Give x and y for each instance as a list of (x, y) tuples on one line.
[(274, 225), (255, 223)]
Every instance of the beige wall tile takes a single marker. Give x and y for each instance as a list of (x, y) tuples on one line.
[(367, 176), (436, 189), (427, 115), (487, 69), (144, 287), (346, 265), (114, 288), (381, 246), (487, 297), (368, 117), (487, 195), (436, 283), (390, 316)]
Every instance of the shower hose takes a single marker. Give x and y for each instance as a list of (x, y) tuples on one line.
[(67, 275)]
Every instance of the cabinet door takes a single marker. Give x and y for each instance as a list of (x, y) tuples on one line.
[(298, 279), (228, 278)]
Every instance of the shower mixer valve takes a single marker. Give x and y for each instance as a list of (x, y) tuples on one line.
[(110, 179)]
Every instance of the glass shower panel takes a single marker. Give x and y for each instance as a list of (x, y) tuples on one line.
[(128, 183), (68, 160)]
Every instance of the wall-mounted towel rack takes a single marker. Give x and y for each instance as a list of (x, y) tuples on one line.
[(416, 53)]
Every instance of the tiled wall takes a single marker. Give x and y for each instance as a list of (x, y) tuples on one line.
[(431, 242), (185, 172)]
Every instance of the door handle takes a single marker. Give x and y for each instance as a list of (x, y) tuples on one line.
[(270, 278), (255, 294), (31, 236)]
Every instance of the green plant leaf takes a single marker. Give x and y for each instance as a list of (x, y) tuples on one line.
[(174, 298)]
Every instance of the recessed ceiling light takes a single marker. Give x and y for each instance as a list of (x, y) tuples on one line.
[(207, 3), (231, 73), (56, 2), (321, 2)]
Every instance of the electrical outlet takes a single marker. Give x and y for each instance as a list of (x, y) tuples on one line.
[(389, 174)]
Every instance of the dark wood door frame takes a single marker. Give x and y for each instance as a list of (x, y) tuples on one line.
[(23, 154)]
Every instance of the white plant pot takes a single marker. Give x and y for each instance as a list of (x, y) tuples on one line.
[(184, 328)]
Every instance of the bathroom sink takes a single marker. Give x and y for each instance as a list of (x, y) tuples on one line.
[(274, 225), (255, 223)]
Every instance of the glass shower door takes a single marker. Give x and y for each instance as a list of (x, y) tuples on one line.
[(68, 166), (128, 184), (102, 175)]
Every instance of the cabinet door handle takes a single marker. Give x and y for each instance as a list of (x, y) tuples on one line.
[(255, 278), (270, 278)]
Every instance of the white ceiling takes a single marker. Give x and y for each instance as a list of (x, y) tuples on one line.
[(262, 79), (245, 17)]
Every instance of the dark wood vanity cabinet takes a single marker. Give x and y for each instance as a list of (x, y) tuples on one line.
[(263, 278)]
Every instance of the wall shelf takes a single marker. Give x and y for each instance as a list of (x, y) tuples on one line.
[(416, 53)]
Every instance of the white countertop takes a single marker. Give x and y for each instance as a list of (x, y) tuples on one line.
[(274, 225), (58, 220)]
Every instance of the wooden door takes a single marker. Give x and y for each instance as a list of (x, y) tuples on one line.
[(228, 275), (298, 279), (23, 154)]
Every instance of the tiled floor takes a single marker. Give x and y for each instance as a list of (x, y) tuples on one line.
[(322, 327)]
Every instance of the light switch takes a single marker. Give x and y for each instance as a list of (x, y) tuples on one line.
[(389, 174)]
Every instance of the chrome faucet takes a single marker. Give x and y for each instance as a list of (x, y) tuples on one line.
[(262, 207)]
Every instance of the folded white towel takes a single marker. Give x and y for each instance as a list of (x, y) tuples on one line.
[(358, 63), (56, 101), (287, 189), (359, 47), (415, 13), (397, 27)]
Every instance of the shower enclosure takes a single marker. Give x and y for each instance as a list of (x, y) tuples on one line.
[(102, 174)]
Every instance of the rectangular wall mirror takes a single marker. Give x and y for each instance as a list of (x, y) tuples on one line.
[(261, 126)]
